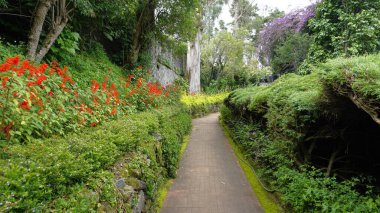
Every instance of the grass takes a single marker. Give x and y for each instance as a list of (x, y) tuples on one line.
[(267, 201), (163, 192)]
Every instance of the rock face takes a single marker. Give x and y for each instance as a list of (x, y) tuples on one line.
[(166, 67), (140, 203)]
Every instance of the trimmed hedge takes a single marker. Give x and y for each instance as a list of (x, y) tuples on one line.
[(201, 104), (287, 107), (77, 173), (276, 123)]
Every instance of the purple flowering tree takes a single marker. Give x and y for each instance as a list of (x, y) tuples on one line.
[(272, 33)]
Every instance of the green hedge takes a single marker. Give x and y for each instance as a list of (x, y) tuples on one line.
[(303, 189), (287, 107), (273, 122), (201, 104), (78, 173)]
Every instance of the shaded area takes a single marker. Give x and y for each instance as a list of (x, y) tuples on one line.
[(345, 146)]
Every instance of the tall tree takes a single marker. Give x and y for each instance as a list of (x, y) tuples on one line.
[(145, 20), (60, 11), (345, 28), (208, 11), (243, 13)]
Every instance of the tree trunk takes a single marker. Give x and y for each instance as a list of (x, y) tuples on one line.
[(50, 39), (36, 29), (194, 63), (136, 44), (145, 20)]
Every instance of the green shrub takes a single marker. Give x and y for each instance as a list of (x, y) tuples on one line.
[(309, 190), (59, 173), (273, 123), (359, 76), (288, 106), (200, 105), (305, 189), (290, 53)]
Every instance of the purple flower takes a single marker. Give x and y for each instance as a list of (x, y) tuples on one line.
[(294, 21)]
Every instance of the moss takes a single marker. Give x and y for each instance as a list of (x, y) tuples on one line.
[(162, 193), (266, 200), (184, 145)]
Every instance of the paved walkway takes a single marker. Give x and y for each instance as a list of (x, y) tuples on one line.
[(210, 179)]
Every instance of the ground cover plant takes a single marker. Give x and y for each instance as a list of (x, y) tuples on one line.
[(68, 146), (79, 172), (314, 136)]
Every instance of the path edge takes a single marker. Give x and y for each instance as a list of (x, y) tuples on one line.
[(266, 201), (162, 194)]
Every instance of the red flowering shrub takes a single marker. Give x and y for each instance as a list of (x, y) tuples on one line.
[(38, 101)]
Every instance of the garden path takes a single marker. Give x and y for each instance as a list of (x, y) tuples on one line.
[(209, 178)]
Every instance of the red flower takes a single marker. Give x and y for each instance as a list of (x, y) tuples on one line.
[(5, 67), (25, 105), (113, 112), (4, 81), (89, 110), (40, 80), (7, 129), (139, 83), (14, 61), (75, 93), (132, 92), (30, 84), (50, 93), (41, 69), (94, 87), (115, 93), (104, 85), (166, 94)]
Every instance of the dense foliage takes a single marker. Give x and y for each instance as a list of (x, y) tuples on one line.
[(124, 27), (275, 31), (286, 128), (345, 28), (41, 100), (73, 173), (289, 54), (200, 105)]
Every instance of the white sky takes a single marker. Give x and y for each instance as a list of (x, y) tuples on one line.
[(264, 5)]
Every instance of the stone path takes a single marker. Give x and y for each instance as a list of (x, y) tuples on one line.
[(210, 179)]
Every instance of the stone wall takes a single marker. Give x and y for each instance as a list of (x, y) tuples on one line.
[(166, 67)]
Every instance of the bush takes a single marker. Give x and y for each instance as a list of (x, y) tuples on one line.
[(288, 106), (309, 190), (200, 105), (70, 173), (298, 120), (290, 53), (305, 189), (41, 100)]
